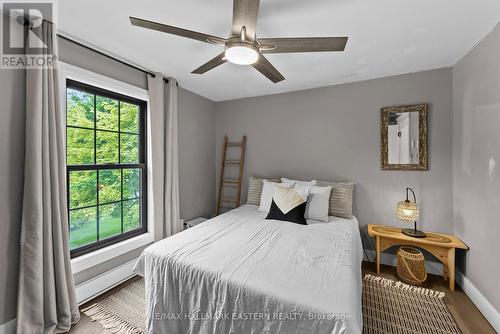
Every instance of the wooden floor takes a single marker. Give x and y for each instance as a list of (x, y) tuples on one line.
[(466, 314), (87, 326)]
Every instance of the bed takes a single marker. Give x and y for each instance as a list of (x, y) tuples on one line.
[(239, 273)]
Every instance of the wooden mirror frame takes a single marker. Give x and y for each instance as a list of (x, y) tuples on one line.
[(422, 141)]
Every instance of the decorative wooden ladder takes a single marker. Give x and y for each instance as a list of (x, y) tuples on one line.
[(226, 202)]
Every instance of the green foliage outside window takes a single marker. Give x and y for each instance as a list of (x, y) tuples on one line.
[(80, 108), (106, 202)]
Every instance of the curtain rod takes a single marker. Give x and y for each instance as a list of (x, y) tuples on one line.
[(100, 52), (110, 57)]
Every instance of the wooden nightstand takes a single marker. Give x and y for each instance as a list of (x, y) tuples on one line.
[(442, 246)]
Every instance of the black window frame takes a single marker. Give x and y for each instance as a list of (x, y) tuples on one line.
[(142, 165)]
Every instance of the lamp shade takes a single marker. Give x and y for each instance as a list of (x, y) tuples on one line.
[(241, 54), (407, 211)]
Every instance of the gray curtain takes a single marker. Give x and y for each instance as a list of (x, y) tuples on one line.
[(165, 156), (46, 292), (156, 127), (172, 219)]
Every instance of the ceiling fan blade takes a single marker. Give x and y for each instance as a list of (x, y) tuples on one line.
[(177, 31), (265, 67), (245, 15), (213, 63), (302, 44)]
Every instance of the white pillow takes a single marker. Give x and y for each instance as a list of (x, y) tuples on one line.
[(292, 183), (266, 197), (303, 187), (318, 203)]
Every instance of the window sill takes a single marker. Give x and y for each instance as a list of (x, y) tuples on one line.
[(102, 255)]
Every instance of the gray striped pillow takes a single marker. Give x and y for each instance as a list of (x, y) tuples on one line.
[(255, 189), (340, 198)]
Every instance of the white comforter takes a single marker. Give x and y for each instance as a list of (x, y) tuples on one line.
[(239, 273)]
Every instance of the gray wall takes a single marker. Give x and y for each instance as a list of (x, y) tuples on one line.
[(94, 62), (86, 59), (196, 142), (196, 155), (476, 160), (329, 133), (12, 124), (196, 161), (333, 133)]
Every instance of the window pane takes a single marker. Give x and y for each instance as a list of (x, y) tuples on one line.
[(80, 146), (129, 148), (131, 215), (131, 183), (104, 201), (129, 117), (110, 220), (80, 108), (110, 186), (107, 147), (107, 113), (83, 227), (82, 189)]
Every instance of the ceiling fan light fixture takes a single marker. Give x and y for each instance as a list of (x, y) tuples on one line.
[(241, 54), (242, 47)]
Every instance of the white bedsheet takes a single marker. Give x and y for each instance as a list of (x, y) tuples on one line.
[(239, 273)]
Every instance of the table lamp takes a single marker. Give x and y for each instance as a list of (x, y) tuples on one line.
[(407, 211)]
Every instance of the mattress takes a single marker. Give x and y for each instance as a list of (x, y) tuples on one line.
[(239, 273)]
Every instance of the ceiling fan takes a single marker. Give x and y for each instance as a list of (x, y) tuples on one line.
[(243, 47)]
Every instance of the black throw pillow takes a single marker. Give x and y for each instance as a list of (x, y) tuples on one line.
[(296, 215)]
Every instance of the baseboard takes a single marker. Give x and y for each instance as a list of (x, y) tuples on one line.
[(98, 285), (481, 302), (89, 289), (9, 327)]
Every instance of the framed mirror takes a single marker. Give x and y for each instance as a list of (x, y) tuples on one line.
[(404, 137)]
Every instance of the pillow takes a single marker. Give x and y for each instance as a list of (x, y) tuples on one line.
[(292, 183), (255, 189), (288, 198), (340, 198), (267, 194), (318, 203), (295, 215), (288, 205)]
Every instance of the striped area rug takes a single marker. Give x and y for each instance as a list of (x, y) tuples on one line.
[(394, 307), (123, 312), (388, 307)]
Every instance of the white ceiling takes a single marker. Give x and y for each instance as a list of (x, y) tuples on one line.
[(386, 37)]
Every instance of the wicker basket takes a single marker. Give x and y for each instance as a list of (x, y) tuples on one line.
[(411, 265)]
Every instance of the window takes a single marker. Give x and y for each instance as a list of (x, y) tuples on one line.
[(106, 167)]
